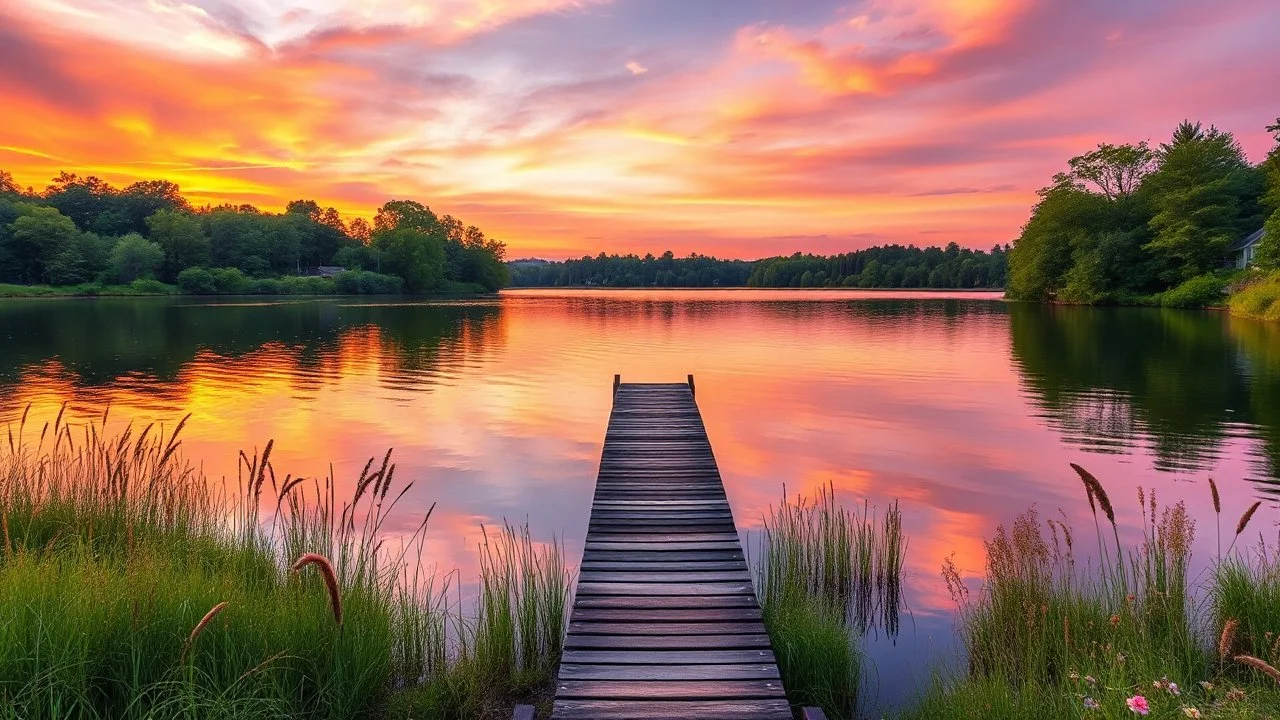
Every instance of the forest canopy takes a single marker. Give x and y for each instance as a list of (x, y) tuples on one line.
[(82, 230), (889, 266), (1134, 223)]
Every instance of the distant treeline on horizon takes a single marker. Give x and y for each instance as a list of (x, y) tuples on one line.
[(887, 266)]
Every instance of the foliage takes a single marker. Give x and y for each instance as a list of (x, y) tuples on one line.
[(665, 270), (1259, 299), (35, 237), (1049, 638), (1126, 222), (890, 266), (1204, 197), (1200, 291), (824, 577), (134, 257), (183, 240), (413, 254), (197, 281), (362, 282), (131, 587), (73, 224)]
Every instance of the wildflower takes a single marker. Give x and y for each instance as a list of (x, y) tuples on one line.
[(1091, 679), (1138, 705), (1075, 676), (1191, 713), (1173, 689), (1129, 599), (1091, 704), (1115, 620), (1208, 686), (1235, 695), (1120, 658)]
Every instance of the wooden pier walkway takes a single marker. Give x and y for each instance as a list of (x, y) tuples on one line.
[(665, 623)]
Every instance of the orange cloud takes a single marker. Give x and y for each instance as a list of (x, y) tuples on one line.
[(911, 121)]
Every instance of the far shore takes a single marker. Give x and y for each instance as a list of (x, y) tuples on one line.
[(740, 288)]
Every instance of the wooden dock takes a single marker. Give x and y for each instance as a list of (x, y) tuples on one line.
[(665, 623)]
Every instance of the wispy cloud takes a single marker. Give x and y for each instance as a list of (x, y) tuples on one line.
[(754, 130)]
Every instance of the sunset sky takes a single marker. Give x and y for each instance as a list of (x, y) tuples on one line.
[(734, 127)]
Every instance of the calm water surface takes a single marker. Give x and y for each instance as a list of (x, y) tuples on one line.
[(965, 408)]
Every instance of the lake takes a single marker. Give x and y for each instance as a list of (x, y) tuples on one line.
[(965, 408)]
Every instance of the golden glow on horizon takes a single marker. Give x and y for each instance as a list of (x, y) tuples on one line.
[(880, 125)]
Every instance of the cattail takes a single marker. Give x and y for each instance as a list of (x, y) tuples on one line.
[(330, 580), (199, 628), (1217, 501), (1227, 639), (1260, 664), (1097, 490), (1246, 517)]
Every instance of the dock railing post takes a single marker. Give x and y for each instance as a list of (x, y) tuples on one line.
[(617, 380), (691, 390)]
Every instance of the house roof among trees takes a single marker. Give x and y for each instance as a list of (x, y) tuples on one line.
[(1247, 241)]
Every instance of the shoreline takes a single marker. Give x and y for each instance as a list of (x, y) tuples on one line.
[(744, 288)]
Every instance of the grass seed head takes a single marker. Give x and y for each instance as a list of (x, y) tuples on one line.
[(330, 580)]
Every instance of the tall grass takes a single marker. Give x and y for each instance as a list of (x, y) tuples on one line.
[(1049, 637), (131, 586), (825, 575)]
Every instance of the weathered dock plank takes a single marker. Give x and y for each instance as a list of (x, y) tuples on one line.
[(665, 622)]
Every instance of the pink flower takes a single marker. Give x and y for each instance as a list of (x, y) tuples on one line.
[(1138, 704)]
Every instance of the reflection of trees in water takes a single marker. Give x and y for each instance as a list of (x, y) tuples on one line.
[(1107, 376), (158, 345), (1259, 351)]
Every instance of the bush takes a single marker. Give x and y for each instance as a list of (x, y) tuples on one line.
[(197, 281), (231, 281), (267, 286), (1198, 292), (363, 282), (134, 257), (149, 286), (310, 285), (1260, 300)]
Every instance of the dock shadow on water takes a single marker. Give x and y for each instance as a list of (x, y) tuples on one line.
[(132, 586), (827, 575)]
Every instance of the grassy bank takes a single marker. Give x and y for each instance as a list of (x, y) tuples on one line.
[(1259, 298), (1121, 636), (131, 586), (825, 576)]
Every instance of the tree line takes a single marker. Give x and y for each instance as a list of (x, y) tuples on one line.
[(890, 266), (1135, 224), (82, 230)]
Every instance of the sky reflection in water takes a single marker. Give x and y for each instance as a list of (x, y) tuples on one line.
[(965, 408)]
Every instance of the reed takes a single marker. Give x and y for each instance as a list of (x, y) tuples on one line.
[(121, 556), (1050, 637), (825, 575)]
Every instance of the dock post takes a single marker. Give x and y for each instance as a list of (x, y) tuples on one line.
[(691, 390), (617, 380)]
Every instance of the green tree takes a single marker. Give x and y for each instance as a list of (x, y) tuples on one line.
[(182, 238), (1115, 171), (35, 238), (81, 261), (1201, 195), (134, 257), (1268, 251), (413, 255)]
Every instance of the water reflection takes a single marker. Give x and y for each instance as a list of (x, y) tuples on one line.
[(965, 408), (1186, 387)]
